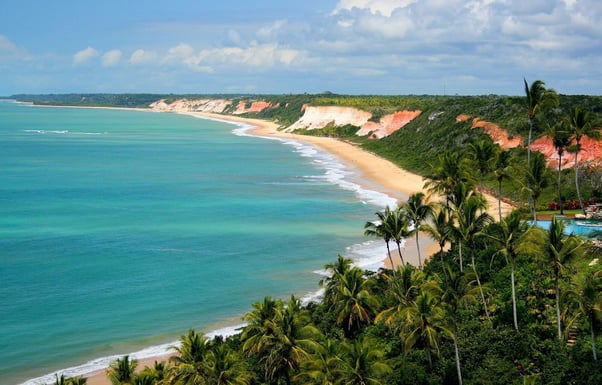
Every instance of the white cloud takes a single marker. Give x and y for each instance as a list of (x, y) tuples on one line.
[(141, 56), (85, 55), (383, 7), (9, 50), (111, 58)]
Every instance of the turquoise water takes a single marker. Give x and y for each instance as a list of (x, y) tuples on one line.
[(582, 228), (120, 230)]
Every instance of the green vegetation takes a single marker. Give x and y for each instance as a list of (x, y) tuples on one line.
[(500, 303)]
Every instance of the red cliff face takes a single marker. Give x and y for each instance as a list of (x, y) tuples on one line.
[(255, 107), (497, 134), (388, 124), (591, 152)]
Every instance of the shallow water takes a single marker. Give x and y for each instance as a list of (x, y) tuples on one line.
[(119, 230)]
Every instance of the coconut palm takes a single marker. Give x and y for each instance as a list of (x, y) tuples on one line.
[(403, 287), (508, 234), (582, 124), (399, 224), (418, 211), (331, 283), (538, 97), (502, 172), (558, 250), (439, 229), (458, 290), (121, 371), (354, 304), (450, 169), (363, 363), (561, 138), (380, 229), (324, 366), (259, 324), (158, 372), (79, 380), (470, 225), (425, 324), (588, 297), (189, 362), (483, 154), (538, 178), (226, 367), (292, 340)]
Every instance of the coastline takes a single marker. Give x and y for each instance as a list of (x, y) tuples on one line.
[(372, 171)]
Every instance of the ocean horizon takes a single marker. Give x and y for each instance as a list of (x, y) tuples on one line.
[(121, 230)]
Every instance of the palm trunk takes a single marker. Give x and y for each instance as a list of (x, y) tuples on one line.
[(457, 357), (593, 335), (390, 258), (559, 175), (418, 248), (499, 199), (557, 289), (577, 180), (513, 295), (474, 268), (460, 255), (400, 256), (531, 204)]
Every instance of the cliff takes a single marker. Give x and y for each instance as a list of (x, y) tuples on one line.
[(185, 105), (257, 106), (322, 116), (497, 134), (388, 124), (591, 152)]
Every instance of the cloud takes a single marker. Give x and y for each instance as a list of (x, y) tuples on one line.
[(141, 56), (9, 50), (382, 7), (111, 58), (85, 56)]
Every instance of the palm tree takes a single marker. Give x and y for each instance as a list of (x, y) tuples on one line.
[(483, 153), (189, 364), (399, 224), (425, 324), (121, 371), (538, 177), (470, 225), (158, 372), (418, 211), (582, 124), (225, 367), (458, 289), (403, 287), (558, 250), (363, 363), (538, 97), (292, 340), (331, 283), (561, 138), (507, 235), (324, 366), (450, 169), (589, 300), (501, 172), (440, 229), (354, 303), (259, 324), (380, 229)]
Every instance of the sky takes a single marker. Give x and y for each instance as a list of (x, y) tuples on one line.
[(384, 47)]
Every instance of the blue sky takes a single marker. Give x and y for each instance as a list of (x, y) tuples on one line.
[(345, 46)]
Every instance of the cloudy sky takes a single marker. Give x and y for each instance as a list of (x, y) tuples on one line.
[(399, 47)]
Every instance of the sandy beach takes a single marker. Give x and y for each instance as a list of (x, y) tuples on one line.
[(376, 172)]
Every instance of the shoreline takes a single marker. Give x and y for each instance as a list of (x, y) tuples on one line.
[(373, 172)]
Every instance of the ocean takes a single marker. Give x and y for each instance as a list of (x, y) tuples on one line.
[(120, 230)]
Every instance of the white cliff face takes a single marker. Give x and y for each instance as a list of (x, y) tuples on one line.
[(184, 105), (320, 117)]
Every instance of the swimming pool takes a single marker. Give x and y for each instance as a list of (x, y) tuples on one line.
[(585, 228)]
